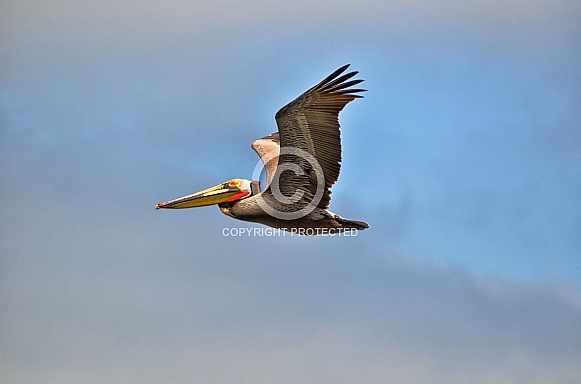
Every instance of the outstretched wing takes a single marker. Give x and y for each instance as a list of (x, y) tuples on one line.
[(311, 123), (268, 149)]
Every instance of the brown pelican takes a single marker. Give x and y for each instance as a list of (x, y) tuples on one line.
[(302, 162)]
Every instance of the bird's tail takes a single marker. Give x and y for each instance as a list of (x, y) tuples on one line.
[(343, 223), (359, 225)]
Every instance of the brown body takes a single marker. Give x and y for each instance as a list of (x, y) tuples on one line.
[(249, 210), (302, 162)]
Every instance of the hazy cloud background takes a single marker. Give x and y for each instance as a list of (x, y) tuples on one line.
[(465, 158)]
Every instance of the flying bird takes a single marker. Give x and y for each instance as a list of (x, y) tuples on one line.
[(302, 162)]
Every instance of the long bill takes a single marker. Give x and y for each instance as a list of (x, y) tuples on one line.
[(215, 195)]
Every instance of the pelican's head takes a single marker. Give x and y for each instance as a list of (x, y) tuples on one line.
[(227, 192)]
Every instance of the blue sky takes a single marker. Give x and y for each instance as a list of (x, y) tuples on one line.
[(464, 156)]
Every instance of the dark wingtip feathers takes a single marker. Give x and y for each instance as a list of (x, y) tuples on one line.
[(335, 74), (337, 83)]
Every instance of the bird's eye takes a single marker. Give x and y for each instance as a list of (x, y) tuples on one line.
[(232, 184)]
